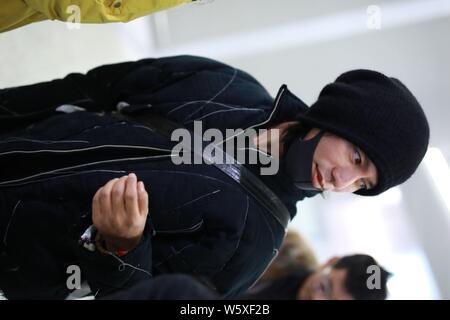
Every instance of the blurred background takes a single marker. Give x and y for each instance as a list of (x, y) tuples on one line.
[(305, 44)]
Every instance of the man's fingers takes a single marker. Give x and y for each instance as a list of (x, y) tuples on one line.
[(120, 207), (117, 191), (142, 199), (97, 195), (105, 197), (131, 196)]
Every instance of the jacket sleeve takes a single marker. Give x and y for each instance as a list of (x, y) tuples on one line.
[(107, 272), (100, 11), (101, 88)]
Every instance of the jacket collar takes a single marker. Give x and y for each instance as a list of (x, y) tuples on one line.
[(286, 107)]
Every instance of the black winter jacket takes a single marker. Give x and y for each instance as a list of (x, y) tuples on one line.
[(200, 220)]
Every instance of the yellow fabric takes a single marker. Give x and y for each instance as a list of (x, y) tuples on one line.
[(16, 13)]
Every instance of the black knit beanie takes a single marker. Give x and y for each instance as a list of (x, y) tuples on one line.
[(379, 115)]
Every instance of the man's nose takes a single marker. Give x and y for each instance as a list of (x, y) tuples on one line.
[(346, 177)]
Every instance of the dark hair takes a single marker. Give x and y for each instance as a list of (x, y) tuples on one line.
[(357, 275)]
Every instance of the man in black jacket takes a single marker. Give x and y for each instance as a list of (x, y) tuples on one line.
[(72, 184)]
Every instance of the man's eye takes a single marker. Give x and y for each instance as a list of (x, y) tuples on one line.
[(357, 157)]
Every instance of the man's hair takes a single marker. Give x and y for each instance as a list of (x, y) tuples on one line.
[(357, 275), (293, 132)]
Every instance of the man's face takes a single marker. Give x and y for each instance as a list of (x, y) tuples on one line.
[(340, 166), (325, 284)]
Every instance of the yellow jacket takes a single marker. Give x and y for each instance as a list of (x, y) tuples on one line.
[(17, 13)]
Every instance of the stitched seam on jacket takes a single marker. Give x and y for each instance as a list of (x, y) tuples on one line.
[(258, 124), (215, 96), (82, 165)]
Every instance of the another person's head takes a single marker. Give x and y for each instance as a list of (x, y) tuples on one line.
[(345, 278), (373, 134)]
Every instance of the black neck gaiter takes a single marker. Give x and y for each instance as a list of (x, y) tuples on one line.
[(297, 162)]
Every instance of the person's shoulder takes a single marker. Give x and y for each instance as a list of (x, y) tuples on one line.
[(189, 62), (200, 63)]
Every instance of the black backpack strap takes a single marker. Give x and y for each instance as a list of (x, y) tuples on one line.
[(249, 181)]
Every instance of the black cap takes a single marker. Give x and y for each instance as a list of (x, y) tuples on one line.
[(379, 115)]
